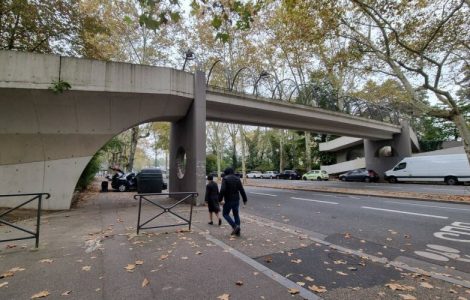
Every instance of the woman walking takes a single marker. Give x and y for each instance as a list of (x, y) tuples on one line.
[(212, 195)]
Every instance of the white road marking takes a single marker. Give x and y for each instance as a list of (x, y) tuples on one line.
[(312, 200), (405, 212), (381, 186), (354, 197), (435, 206), (263, 194)]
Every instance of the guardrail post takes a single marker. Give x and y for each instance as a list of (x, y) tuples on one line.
[(33, 234)]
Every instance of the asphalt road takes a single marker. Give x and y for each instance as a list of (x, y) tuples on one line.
[(408, 187), (438, 233)]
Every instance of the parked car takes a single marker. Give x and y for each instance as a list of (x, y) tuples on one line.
[(214, 174), (269, 175), (254, 174), (360, 175), (288, 174), (316, 175), (123, 182), (222, 174), (451, 169)]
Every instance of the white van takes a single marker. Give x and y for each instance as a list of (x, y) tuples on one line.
[(451, 169)]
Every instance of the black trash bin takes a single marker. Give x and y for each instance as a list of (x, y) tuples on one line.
[(150, 181), (104, 186)]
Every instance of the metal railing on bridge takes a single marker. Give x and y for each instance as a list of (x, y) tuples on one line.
[(32, 234)]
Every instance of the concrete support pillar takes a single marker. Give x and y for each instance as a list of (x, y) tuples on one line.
[(401, 148), (188, 145)]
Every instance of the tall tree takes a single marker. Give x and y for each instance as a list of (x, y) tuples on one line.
[(423, 44)]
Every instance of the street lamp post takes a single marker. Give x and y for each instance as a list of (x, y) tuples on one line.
[(235, 77), (263, 74), (278, 86), (189, 55), (210, 71)]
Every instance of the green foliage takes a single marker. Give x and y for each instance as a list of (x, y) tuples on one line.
[(60, 86), (426, 146), (89, 173), (211, 163), (157, 13), (94, 165)]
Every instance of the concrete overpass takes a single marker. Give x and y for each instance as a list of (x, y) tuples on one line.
[(47, 139)]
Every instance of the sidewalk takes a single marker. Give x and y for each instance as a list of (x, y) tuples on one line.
[(93, 252)]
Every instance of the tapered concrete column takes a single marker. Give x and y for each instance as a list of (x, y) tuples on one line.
[(401, 145), (188, 145)]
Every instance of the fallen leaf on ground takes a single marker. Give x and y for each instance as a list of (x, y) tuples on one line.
[(47, 260), (461, 298), (339, 262), (342, 273), (184, 257), (16, 269), (300, 283), (130, 267), (399, 287), (426, 285), (317, 289), (452, 291), (10, 246), (293, 291), (66, 293), (352, 268), (139, 262), (347, 235), (163, 257), (296, 261), (224, 297), (308, 278), (6, 274), (407, 297), (41, 294), (145, 282), (198, 253), (356, 288), (268, 259), (239, 283), (3, 284), (381, 294), (86, 268)]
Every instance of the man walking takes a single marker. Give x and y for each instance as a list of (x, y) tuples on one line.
[(230, 192)]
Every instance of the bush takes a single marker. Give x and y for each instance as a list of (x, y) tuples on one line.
[(89, 173)]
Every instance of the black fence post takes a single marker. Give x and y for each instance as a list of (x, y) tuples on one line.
[(32, 234), (165, 209)]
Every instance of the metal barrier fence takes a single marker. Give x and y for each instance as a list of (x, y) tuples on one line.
[(166, 209), (33, 235)]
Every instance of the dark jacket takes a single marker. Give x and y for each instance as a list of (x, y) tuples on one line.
[(231, 189), (212, 192)]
